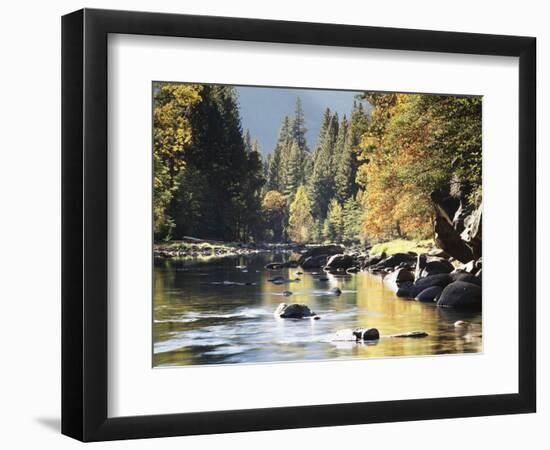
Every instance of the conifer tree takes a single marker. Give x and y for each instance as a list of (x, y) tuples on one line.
[(298, 129), (321, 186)]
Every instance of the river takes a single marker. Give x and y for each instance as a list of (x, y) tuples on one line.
[(220, 311)]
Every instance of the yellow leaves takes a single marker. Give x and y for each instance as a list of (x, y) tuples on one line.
[(172, 105), (300, 218), (274, 201)]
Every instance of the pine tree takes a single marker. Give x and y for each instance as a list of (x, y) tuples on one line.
[(293, 170), (321, 185), (298, 129), (346, 172), (353, 220)]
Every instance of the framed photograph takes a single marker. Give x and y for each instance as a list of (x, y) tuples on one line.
[(273, 224)]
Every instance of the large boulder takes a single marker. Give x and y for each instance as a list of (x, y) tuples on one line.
[(398, 277), (461, 295), (374, 259), (319, 252), (340, 262), (427, 265), (411, 290), (393, 261), (314, 262), (467, 277), (472, 266), (449, 222), (293, 311), (429, 295), (471, 234)]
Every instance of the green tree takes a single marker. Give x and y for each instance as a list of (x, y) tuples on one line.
[(321, 183), (353, 220), (300, 219), (298, 129), (347, 164), (294, 169), (225, 172)]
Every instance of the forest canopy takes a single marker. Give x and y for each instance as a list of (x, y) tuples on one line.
[(368, 177)]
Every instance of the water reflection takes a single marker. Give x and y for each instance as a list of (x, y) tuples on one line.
[(221, 311)]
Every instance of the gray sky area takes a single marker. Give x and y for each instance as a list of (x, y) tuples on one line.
[(263, 109)]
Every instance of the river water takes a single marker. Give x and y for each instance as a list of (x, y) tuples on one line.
[(220, 311)]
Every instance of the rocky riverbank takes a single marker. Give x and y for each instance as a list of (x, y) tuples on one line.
[(189, 248), (449, 274)]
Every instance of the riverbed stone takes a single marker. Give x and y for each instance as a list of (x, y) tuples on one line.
[(411, 334), (467, 277), (293, 311), (461, 295), (436, 266), (396, 278), (429, 295), (335, 291), (323, 250), (340, 262), (366, 334), (314, 262)]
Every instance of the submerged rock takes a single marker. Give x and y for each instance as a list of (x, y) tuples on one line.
[(281, 280), (411, 334), (287, 293), (335, 291), (293, 311)]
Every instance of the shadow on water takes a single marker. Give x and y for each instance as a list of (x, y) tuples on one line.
[(221, 311)]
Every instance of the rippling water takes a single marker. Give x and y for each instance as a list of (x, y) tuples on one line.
[(221, 311)]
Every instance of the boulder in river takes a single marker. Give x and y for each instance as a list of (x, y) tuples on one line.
[(430, 294), (393, 261), (436, 265), (335, 291), (314, 262), (461, 295), (287, 293), (468, 277), (293, 311), (374, 259), (366, 334), (398, 277), (318, 253), (340, 262), (411, 290)]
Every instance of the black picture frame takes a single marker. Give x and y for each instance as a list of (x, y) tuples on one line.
[(84, 224)]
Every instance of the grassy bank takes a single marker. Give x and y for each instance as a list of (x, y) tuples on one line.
[(402, 246)]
